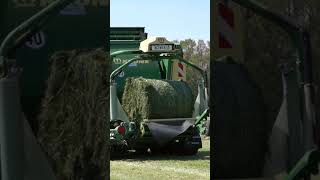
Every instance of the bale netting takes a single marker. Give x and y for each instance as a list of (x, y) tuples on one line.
[(74, 121), (156, 99)]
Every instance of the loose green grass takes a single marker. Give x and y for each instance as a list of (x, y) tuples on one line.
[(165, 167)]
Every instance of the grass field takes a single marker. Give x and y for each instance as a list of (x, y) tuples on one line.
[(165, 167)]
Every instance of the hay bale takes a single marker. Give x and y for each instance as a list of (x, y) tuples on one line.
[(240, 136), (155, 99), (74, 120)]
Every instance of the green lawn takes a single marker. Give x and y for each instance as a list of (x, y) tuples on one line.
[(164, 167)]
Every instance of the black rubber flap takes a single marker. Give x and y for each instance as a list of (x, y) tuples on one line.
[(164, 132)]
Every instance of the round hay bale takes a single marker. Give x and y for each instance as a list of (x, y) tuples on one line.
[(239, 123), (74, 121), (156, 99)]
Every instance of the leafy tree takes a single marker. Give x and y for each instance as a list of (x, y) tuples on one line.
[(199, 54), (188, 46)]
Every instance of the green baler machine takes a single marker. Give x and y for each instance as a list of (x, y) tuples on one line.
[(11, 136), (62, 32), (129, 38), (176, 134), (30, 32)]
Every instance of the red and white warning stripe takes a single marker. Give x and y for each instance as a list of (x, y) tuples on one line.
[(180, 70), (225, 25)]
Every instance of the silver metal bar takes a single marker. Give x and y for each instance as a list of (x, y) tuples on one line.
[(11, 130)]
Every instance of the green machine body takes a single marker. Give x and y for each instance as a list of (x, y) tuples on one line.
[(85, 19)]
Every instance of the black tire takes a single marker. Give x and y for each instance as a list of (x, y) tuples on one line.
[(118, 151), (156, 150), (240, 131), (141, 151), (190, 150), (186, 148)]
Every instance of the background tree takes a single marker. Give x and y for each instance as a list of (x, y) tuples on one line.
[(188, 46), (199, 54)]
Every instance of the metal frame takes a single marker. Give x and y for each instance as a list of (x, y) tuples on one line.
[(17, 36), (304, 82), (11, 122), (154, 57)]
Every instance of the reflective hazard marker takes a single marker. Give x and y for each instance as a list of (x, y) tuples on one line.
[(180, 70), (226, 25), (228, 30)]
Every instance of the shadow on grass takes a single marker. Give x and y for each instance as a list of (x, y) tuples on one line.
[(201, 155)]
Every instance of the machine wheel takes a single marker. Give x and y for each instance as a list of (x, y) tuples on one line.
[(155, 151), (117, 151), (159, 150), (141, 151), (240, 136), (184, 150), (189, 149)]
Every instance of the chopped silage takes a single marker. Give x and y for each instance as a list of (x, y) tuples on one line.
[(156, 99), (74, 126)]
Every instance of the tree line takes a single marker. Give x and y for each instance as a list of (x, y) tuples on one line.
[(197, 52)]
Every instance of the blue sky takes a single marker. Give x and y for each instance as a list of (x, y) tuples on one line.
[(174, 19)]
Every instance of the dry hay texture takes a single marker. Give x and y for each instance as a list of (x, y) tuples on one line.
[(156, 99), (74, 122), (267, 46), (193, 79), (239, 126), (254, 101), (266, 42)]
